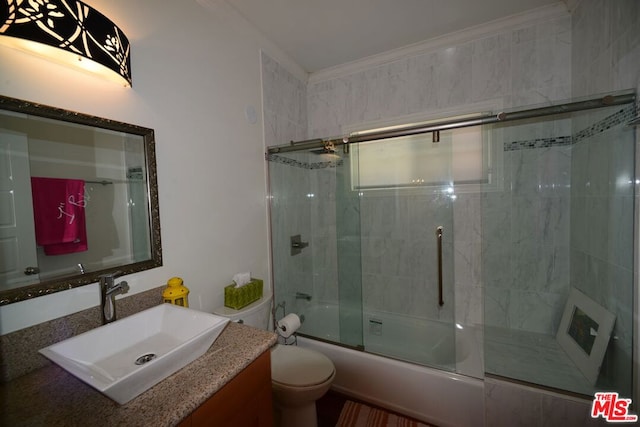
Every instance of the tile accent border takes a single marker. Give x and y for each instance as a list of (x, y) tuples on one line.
[(304, 165), (622, 116), (538, 143)]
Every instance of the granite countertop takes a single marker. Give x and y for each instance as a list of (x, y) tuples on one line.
[(51, 396)]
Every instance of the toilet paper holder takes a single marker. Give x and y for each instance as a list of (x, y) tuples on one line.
[(291, 339)]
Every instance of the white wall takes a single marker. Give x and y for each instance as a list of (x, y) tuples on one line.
[(196, 70)]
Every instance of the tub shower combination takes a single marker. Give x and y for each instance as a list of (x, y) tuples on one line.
[(420, 288)]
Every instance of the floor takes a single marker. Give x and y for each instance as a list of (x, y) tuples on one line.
[(328, 408)]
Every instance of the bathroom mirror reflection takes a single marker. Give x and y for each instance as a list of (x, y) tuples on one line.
[(78, 198)]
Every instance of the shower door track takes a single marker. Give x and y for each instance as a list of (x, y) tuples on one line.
[(599, 102)]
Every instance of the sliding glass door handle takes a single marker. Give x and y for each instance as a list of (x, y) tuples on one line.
[(439, 245)]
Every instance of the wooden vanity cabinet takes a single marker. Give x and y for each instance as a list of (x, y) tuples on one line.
[(245, 401)]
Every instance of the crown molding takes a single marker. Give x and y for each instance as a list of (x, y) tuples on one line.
[(545, 13)]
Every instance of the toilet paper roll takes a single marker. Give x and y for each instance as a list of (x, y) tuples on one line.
[(288, 325)]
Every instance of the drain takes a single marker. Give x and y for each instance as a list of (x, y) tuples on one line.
[(145, 358)]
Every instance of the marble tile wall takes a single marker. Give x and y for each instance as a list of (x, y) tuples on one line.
[(285, 119), (605, 57), (596, 50), (324, 233), (291, 207), (284, 104), (304, 188), (510, 404), (525, 239), (527, 65), (524, 66), (602, 214), (349, 257), (606, 48), (399, 253)]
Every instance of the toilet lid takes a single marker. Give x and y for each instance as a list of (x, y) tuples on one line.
[(299, 367)]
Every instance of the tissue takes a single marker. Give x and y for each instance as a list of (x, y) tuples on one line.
[(241, 279), (288, 325)]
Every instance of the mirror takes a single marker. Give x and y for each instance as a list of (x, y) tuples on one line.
[(78, 199)]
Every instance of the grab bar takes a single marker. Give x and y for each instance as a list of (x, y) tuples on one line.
[(439, 241)]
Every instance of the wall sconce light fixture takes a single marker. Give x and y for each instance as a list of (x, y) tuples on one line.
[(67, 31)]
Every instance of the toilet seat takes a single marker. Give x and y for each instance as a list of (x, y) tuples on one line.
[(294, 366)]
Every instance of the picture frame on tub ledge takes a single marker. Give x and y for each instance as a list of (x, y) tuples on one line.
[(584, 333)]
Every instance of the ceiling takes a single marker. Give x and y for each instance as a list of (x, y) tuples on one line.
[(318, 34)]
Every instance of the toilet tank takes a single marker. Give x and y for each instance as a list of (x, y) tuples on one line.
[(256, 314)]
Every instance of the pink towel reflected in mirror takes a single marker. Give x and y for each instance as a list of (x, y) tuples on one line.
[(59, 215)]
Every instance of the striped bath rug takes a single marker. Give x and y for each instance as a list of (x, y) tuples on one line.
[(358, 415)]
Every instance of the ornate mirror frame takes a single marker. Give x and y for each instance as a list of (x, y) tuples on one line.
[(49, 286)]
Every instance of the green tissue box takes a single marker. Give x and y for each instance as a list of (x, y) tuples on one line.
[(237, 298)]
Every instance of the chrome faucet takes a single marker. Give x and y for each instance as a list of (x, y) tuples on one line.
[(108, 291)]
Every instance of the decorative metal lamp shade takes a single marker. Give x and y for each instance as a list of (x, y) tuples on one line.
[(74, 29)]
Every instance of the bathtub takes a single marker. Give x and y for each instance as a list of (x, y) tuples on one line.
[(432, 395)]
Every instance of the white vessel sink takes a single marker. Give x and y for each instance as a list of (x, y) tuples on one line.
[(161, 339)]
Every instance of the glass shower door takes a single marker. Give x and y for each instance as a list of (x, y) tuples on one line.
[(311, 201), (406, 195), (562, 223)]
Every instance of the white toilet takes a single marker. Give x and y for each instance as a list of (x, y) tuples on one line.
[(299, 376)]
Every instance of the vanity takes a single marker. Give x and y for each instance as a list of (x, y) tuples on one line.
[(229, 385)]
